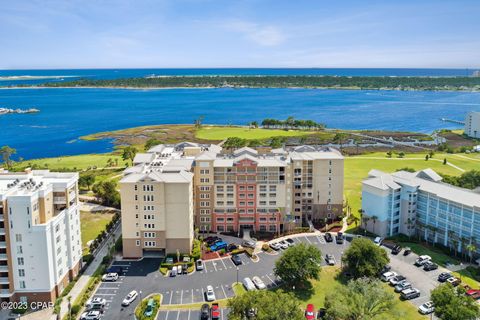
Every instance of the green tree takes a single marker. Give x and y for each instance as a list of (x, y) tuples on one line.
[(339, 138), (363, 298), (268, 305), (151, 143), (298, 264), (129, 153), (277, 142), (254, 143), (401, 154), (107, 192), (86, 181), (364, 259), (452, 304), (444, 160), (6, 153)]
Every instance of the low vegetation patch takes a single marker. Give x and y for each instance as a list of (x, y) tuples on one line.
[(142, 308)]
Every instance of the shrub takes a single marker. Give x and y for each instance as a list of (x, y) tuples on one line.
[(197, 249), (75, 309), (140, 309)]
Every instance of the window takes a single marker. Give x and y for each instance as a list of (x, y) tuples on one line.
[(19, 249), (21, 272), (137, 243), (204, 203), (204, 211), (272, 228), (204, 180), (220, 228), (20, 261), (204, 196), (150, 244), (136, 187), (18, 237), (205, 188), (204, 171), (22, 284)]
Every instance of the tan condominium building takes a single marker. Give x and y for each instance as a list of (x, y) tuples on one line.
[(172, 188), (40, 240)]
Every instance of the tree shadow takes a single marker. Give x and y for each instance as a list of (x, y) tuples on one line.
[(302, 291)]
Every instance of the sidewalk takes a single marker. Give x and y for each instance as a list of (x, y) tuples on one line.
[(79, 285)]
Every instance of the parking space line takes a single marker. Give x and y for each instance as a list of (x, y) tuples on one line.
[(178, 314), (224, 293), (192, 297), (205, 266), (271, 279), (214, 265), (224, 263), (166, 316), (105, 294), (171, 295), (307, 239), (189, 312), (181, 297)]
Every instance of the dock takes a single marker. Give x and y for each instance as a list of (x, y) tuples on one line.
[(453, 121)]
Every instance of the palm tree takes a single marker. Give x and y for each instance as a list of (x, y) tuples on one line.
[(374, 219), (421, 228), (365, 221), (356, 220), (471, 248), (451, 235), (6, 152), (463, 244), (410, 224), (434, 230)]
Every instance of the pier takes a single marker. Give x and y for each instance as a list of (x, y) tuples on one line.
[(453, 121)]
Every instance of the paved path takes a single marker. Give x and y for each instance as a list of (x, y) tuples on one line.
[(405, 159), (95, 207)]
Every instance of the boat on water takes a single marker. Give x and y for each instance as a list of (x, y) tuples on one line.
[(20, 111)]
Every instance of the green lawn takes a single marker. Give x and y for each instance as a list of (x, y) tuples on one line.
[(79, 162), (437, 255), (238, 288), (329, 281), (92, 224), (220, 133)]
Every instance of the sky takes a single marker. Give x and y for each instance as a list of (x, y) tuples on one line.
[(237, 33)]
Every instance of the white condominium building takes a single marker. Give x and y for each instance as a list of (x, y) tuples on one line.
[(40, 242), (472, 125), (173, 188)]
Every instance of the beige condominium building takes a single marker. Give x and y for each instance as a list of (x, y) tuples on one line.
[(172, 188), (40, 241)]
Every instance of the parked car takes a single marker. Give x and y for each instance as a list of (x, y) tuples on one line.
[(185, 268), (179, 269), (169, 260), (283, 244), (321, 313), (402, 285), (275, 246), (231, 247), (407, 251), (174, 271), (199, 264), (211, 240), (95, 303), (290, 242), (385, 269), (442, 277), (236, 260), (130, 298), (310, 312), (328, 237), (205, 312), (395, 280), (378, 241), (215, 311), (410, 293), (396, 249), (258, 283), (475, 294), (186, 259), (91, 315), (110, 277), (249, 285), (218, 246), (330, 259), (339, 238), (210, 294), (248, 244), (421, 260), (429, 266), (426, 308), (388, 275), (454, 281), (149, 309)]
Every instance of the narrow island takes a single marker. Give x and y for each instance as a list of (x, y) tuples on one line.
[(263, 81), (19, 111)]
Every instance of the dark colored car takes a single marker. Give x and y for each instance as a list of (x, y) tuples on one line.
[(385, 269), (115, 269), (231, 247), (396, 249), (328, 237), (442, 277), (248, 244), (290, 241), (407, 251), (185, 268), (236, 260), (211, 240), (205, 312), (321, 313), (429, 266), (339, 238)]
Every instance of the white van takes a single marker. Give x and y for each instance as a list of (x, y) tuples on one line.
[(249, 285), (422, 259), (179, 269), (173, 272)]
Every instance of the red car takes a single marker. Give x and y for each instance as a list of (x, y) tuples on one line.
[(475, 294), (310, 312)]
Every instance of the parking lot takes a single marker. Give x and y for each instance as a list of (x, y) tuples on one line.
[(144, 277), (186, 314)]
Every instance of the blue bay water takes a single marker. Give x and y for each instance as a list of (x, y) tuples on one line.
[(67, 114)]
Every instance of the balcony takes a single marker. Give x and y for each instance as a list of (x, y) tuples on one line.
[(5, 293), (4, 280), (3, 257), (59, 200), (2, 218), (3, 245), (3, 268), (2, 231)]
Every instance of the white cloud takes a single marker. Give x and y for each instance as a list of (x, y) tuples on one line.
[(263, 35)]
